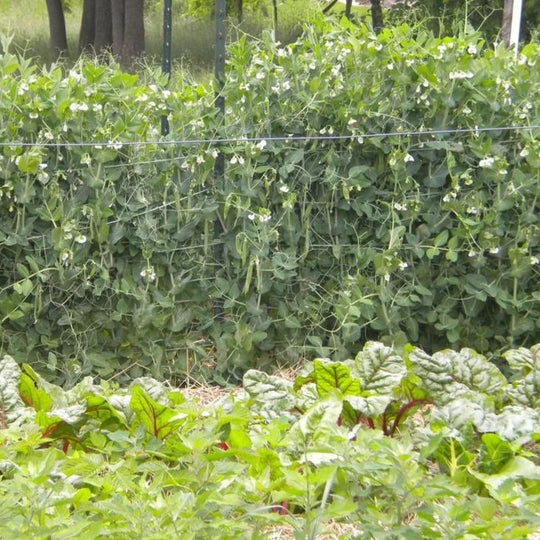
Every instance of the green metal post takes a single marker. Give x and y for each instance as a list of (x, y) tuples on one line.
[(219, 167), (167, 53)]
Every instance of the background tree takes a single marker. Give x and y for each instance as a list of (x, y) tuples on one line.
[(376, 15), (57, 26), (133, 44), (113, 25)]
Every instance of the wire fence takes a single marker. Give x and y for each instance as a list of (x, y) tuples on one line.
[(272, 138)]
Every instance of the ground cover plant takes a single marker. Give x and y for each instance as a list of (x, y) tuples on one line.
[(283, 457)]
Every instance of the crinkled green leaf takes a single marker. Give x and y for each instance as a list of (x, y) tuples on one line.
[(11, 403), (154, 388), (369, 406), (475, 372), (449, 374), (380, 368), (434, 373), (461, 411), (265, 387), (319, 419), (523, 360), (514, 423), (526, 391), (159, 420)]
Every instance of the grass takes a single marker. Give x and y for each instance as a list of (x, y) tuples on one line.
[(193, 39)]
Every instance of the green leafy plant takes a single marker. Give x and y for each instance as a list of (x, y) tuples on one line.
[(272, 457), (112, 259)]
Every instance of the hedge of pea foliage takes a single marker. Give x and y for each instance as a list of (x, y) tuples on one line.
[(130, 259)]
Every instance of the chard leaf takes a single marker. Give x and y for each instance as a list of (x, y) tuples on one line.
[(319, 419), (460, 412), (434, 373), (33, 395), (514, 423), (330, 376), (523, 360), (369, 406), (264, 387), (449, 374), (154, 388), (526, 391), (475, 371), (10, 401), (380, 368), (159, 420)]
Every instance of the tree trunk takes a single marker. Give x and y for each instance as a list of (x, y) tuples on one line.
[(348, 9), (376, 15), (274, 6), (133, 45), (240, 10), (103, 37), (507, 21), (57, 26), (118, 16), (88, 25)]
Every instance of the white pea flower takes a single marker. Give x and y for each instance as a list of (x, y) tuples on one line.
[(80, 239), (534, 260), (460, 75), (200, 159), (524, 153), (251, 217), (66, 256), (148, 274), (261, 144), (486, 163), (494, 250), (402, 265), (284, 189), (387, 277), (408, 158)]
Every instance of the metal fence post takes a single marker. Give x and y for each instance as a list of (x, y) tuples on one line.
[(167, 53), (219, 166)]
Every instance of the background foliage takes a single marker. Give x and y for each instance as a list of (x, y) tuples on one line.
[(108, 251)]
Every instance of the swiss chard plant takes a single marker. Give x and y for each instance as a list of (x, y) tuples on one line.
[(283, 456)]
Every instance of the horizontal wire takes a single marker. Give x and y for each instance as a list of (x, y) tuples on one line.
[(282, 138)]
